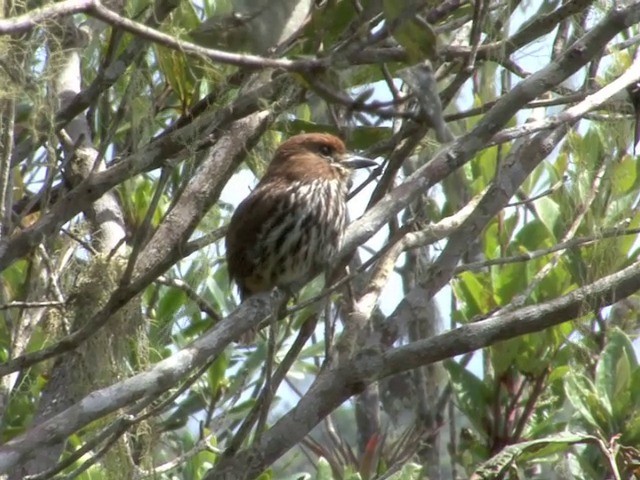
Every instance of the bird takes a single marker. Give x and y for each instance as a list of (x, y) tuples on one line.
[(289, 228)]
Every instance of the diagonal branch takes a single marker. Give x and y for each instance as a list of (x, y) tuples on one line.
[(333, 387), (591, 102), (163, 376), (461, 150), (29, 20), (94, 8), (105, 78), (199, 134), (164, 247)]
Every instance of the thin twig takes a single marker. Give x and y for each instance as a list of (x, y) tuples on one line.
[(142, 234), (6, 195), (525, 257), (18, 304), (520, 299), (192, 295)]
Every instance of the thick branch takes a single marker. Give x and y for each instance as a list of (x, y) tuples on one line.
[(27, 21), (196, 135), (94, 8), (164, 247), (104, 79), (162, 377), (460, 151), (333, 387)]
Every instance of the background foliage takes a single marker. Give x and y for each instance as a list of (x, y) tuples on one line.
[(487, 326)]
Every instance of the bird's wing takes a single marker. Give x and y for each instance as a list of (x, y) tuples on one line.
[(245, 230)]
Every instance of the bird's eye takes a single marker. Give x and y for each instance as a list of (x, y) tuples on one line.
[(325, 150)]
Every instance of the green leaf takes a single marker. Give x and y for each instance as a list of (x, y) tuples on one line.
[(631, 429), (558, 169), (410, 471), (323, 470), (554, 283), (499, 465), (178, 72), (268, 475), (472, 394), (613, 372), (635, 388), (327, 24), (508, 281), (203, 461), (242, 408), (591, 409), (171, 300), (559, 373), (216, 373), (491, 240), (487, 164), (353, 476), (13, 278), (580, 467), (624, 175), (250, 364), (549, 213), (418, 38), (533, 353), (473, 293), (532, 236), (503, 355)]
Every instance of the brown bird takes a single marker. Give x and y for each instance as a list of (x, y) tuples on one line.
[(291, 225)]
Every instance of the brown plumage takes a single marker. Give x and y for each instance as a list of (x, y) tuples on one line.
[(287, 230)]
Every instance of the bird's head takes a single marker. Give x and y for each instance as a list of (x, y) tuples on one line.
[(313, 156)]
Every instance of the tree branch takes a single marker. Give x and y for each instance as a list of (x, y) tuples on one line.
[(196, 135), (164, 247), (333, 387), (161, 377), (461, 150), (27, 21)]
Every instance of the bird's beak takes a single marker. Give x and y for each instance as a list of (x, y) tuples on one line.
[(353, 161)]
